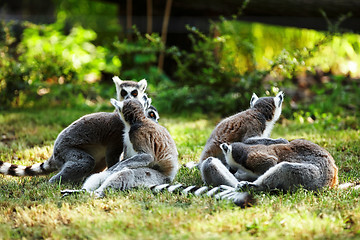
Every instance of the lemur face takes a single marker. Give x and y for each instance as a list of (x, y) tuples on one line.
[(227, 150), (129, 89), (153, 114), (150, 111), (235, 154)]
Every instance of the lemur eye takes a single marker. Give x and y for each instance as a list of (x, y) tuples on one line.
[(152, 115), (123, 93), (134, 93)]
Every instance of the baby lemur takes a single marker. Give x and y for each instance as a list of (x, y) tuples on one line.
[(150, 154), (283, 166), (88, 145), (253, 125)]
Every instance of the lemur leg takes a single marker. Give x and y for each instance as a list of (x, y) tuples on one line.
[(128, 178), (214, 172), (241, 175), (265, 141), (113, 155), (79, 164), (95, 180), (138, 160), (287, 176)]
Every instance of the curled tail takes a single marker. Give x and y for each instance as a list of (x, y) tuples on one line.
[(43, 168)]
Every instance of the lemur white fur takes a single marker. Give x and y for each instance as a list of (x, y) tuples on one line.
[(150, 154), (253, 125), (89, 144)]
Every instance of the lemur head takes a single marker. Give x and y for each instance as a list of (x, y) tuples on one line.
[(129, 89), (234, 153), (269, 106), (227, 150), (130, 111), (150, 111)]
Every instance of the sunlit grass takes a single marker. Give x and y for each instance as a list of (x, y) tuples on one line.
[(31, 208)]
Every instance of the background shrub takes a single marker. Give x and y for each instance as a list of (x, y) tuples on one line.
[(66, 64)]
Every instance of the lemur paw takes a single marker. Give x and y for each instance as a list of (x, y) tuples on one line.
[(98, 194), (245, 185)]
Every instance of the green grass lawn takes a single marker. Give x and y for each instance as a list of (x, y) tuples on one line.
[(30, 208)]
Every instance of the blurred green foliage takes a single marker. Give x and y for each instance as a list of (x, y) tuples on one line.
[(46, 67), (99, 16), (69, 63), (139, 58), (203, 83), (255, 46)]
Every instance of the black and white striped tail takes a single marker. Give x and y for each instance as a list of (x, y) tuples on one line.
[(241, 199), (18, 170)]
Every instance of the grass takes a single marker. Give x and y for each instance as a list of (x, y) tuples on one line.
[(30, 208)]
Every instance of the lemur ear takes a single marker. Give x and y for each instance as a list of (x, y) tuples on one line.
[(279, 99), (253, 100), (225, 148), (117, 82), (145, 101), (148, 102), (142, 85), (117, 104)]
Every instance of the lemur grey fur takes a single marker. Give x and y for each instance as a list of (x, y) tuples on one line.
[(150, 154), (283, 166), (88, 145), (253, 125)]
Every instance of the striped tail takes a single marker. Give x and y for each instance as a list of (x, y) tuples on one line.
[(241, 199), (43, 168)]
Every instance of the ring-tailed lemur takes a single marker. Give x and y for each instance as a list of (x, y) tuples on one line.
[(283, 166), (254, 124), (150, 154), (88, 145)]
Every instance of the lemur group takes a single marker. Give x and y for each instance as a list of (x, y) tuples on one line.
[(128, 148)]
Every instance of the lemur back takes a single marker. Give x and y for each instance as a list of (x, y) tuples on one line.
[(88, 145), (144, 136), (257, 121), (150, 154), (284, 166)]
